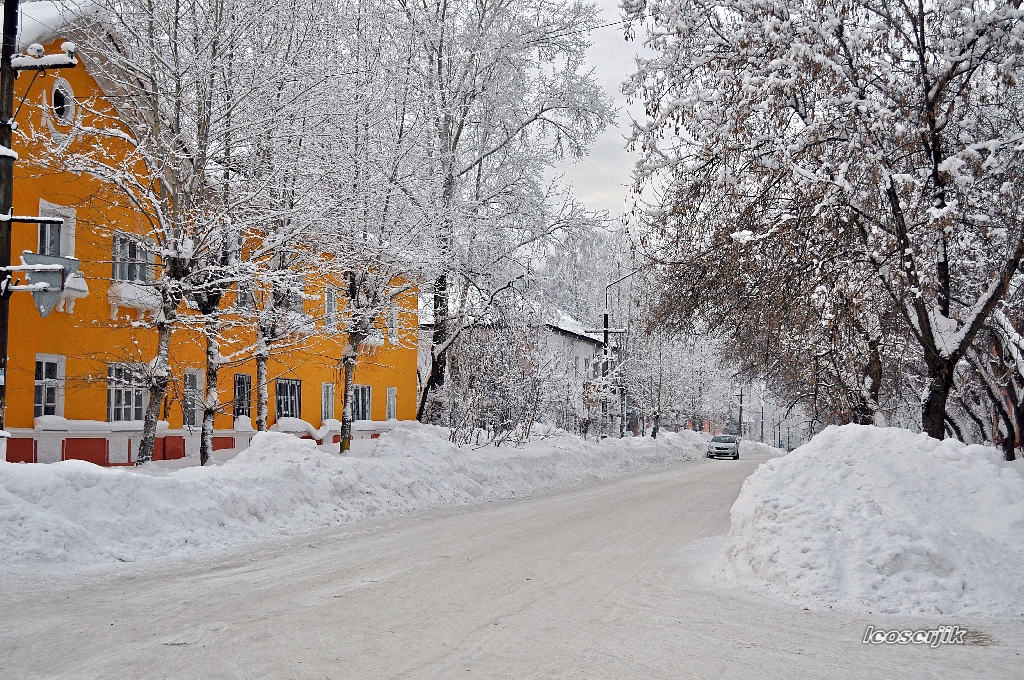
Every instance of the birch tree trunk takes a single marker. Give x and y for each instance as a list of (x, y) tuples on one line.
[(211, 329), (159, 379), (262, 390), (349, 363)]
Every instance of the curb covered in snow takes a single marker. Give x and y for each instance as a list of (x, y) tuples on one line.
[(75, 513)]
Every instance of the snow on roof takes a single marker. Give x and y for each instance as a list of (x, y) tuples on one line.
[(563, 321), (41, 22)]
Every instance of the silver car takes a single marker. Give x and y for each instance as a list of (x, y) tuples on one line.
[(724, 446)]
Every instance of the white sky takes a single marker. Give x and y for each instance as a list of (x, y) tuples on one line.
[(602, 179)]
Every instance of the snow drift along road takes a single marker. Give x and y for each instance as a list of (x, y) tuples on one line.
[(77, 513), (884, 520)]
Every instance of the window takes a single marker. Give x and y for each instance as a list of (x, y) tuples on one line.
[(289, 299), (362, 399), (392, 411), (330, 306), (126, 393), (57, 239), (49, 239), (245, 295), (49, 392), (289, 398), (131, 259), (393, 326), (326, 402), (243, 395), (63, 102), (192, 408)]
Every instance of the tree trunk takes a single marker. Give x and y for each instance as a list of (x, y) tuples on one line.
[(157, 388), (211, 329), (262, 388), (933, 408), (349, 362), (655, 425)]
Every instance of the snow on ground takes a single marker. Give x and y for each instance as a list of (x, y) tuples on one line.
[(78, 514), (884, 520)]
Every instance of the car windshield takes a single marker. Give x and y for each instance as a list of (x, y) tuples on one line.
[(724, 439)]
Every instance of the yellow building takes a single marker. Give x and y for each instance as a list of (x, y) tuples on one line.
[(70, 379)]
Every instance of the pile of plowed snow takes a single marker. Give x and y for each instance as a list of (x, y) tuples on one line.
[(884, 520), (80, 514)]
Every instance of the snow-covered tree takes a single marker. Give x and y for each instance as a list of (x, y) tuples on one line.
[(899, 125)]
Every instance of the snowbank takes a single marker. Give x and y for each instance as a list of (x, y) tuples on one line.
[(884, 520), (80, 514)]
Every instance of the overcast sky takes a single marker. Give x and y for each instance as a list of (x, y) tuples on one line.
[(602, 179)]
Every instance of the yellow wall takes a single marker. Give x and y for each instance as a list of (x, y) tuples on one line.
[(89, 339)]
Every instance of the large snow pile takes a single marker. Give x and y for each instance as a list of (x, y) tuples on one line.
[(884, 520), (77, 513)]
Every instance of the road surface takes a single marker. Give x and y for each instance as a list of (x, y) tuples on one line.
[(605, 581)]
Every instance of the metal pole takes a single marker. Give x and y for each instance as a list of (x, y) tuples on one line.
[(762, 423), (741, 410), (604, 370), (7, 76)]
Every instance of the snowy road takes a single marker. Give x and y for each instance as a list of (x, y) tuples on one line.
[(606, 581)]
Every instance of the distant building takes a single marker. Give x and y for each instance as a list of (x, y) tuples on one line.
[(580, 352)]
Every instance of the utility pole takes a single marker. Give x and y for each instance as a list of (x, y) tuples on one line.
[(788, 440), (606, 330), (8, 73), (7, 157), (762, 423), (741, 410)]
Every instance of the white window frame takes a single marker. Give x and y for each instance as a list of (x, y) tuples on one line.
[(193, 398), (330, 307), (57, 382), (392, 404), (326, 401), (362, 406), (393, 325), (278, 398), (70, 103), (125, 383), (66, 231), (245, 294), (246, 407), (122, 261)]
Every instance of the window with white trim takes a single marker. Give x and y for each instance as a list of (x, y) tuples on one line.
[(393, 326), (243, 395), (288, 395), (245, 295), (126, 392), (57, 239), (326, 401), (362, 401), (49, 385), (132, 260), (392, 410), (63, 102), (330, 306), (192, 408)]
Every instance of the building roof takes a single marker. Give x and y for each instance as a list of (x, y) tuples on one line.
[(41, 22), (563, 322)]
